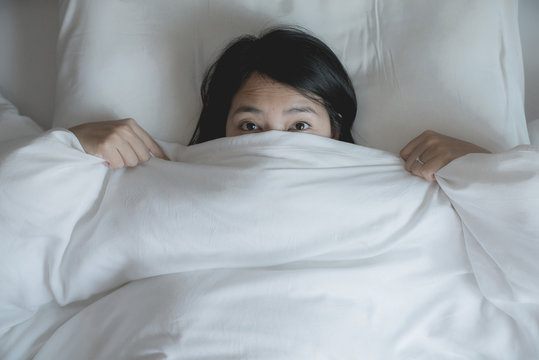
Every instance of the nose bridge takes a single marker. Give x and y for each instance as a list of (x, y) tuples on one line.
[(275, 120)]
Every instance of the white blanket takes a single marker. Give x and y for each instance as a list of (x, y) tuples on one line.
[(268, 246)]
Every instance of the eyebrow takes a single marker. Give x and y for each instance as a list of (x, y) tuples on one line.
[(247, 109), (293, 109), (301, 109)]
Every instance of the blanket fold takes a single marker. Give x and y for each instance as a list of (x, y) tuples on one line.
[(295, 203)]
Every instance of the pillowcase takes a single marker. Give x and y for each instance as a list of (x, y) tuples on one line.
[(14, 125), (449, 66)]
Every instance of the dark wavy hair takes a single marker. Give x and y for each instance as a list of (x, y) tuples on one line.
[(288, 55)]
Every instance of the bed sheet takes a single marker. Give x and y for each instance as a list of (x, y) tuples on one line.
[(275, 245)]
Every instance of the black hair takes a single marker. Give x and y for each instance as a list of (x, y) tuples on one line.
[(287, 55)]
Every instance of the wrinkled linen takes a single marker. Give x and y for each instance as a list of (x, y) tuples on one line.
[(267, 246)]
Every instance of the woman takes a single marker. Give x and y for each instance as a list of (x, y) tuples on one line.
[(284, 80)]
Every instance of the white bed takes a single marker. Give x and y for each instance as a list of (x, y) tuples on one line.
[(275, 245)]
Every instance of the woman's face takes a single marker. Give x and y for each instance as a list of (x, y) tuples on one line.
[(263, 104)]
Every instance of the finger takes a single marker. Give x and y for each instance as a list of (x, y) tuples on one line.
[(154, 147), (434, 159), (418, 152), (435, 164), (138, 146), (423, 137), (424, 171), (129, 143), (427, 173), (410, 147), (428, 162), (129, 156), (416, 168), (150, 143), (113, 157), (430, 154)]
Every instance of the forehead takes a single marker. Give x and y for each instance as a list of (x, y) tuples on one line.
[(260, 88)]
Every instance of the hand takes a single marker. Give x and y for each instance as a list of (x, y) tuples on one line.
[(119, 142), (430, 151)]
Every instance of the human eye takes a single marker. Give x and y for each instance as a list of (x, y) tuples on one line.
[(249, 126), (300, 126)]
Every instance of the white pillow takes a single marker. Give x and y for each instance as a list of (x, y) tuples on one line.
[(450, 66), (14, 125)]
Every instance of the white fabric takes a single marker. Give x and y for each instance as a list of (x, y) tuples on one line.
[(14, 125), (450, 66), (274, 245)]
